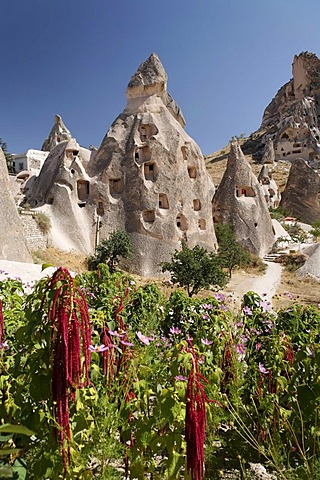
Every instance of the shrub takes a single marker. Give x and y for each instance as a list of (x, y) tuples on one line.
[(43, 222)]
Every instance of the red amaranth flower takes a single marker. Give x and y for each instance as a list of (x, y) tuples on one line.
[(70, 337), (195, 421)]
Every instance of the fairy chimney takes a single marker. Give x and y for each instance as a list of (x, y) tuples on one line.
[(58, 133), (12, 244), (151, 179), (240, 202), (301, 194)]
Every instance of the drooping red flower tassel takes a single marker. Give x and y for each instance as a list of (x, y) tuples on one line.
[(70, 341), (195, 421)]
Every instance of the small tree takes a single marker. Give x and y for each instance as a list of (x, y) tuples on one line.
[(194, 269), (8, 156), (110, 251), (231, 254)]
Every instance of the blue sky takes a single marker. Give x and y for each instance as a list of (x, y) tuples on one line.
[(225, 60)]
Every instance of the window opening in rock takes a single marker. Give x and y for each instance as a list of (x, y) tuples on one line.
[(181, 222), (148, 216), (115, 186), (72, 171), (83, 188), (184, 152), (50, 201), (196, 204), (245, 191), (150, 171), (100, 209), (192, 172), (202, 224), (82, 204), (255, 224), (75, 153), (163, 201), (284, 135)]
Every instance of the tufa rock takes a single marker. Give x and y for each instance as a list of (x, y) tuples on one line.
[(292, 117), (151, 179), (268, 154), (301, 194), (269, 187), (12, 244), (240, 201), (58, 133), (147, 178)]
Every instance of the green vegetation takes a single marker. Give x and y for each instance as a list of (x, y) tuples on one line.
[(103, 380), (195, 269), (110, 251), (315, 232), (231, 254), (8, 156)]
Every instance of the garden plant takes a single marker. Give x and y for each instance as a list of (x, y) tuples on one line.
[(103, 379)]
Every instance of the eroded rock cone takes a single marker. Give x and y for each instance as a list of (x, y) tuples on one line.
[(151, 176), (239, 201), (58, 133), (301, 194)]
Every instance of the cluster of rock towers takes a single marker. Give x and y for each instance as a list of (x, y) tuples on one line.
[(148, 178)]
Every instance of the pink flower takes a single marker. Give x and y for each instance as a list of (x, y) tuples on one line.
[(126, 344), (258, 346), (263, 369), (143, 338), (205, 341), (98, 348), (175, 331), (4, 345), (181, 378), (116, 334)]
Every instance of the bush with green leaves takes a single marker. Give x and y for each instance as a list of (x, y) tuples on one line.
[(231, 253), (111, 250), (195, 269)]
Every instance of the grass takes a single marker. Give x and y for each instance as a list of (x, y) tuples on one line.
[(74, 261)]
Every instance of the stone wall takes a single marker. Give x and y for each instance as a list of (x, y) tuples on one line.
[(35, 239)]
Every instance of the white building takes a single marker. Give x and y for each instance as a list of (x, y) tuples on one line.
[(30, 160)]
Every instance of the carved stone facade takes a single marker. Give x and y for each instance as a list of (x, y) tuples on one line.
[(292, 119)]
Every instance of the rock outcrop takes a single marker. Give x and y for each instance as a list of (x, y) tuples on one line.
[(58, 133), (151, 179), (301, 194), (12, 244), (148, 178), (269, 187), (240, 201), (292, 119)]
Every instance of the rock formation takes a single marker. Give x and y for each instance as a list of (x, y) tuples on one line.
[(240, 201), (151, 179), (12, 244), (148, 178), (292, 119), (301, 195), (268, 154), (58, 133), (269, 187)]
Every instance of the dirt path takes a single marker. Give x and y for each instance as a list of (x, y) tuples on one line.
[(261, 284)]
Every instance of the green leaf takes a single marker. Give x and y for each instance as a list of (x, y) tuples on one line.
[(9, 428), (45, 265)]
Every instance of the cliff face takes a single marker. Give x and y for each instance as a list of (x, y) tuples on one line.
[(12, 243), (292, 119)]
